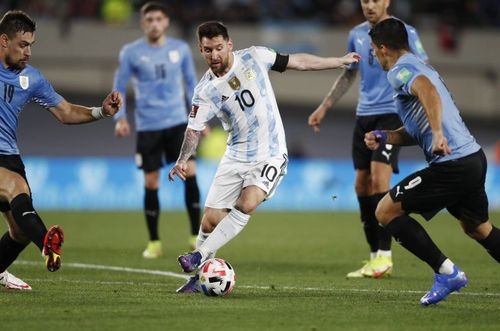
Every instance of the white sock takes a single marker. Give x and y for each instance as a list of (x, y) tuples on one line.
[(446, 268), (373, 255), (384, 253), (202, 236), (226, 230)]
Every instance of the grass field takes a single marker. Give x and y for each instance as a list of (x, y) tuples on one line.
[(290, 271)]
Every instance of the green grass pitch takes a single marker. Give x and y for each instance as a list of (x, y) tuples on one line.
[(290, 270)]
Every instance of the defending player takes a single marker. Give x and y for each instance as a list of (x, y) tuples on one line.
[(236, 89), (375, 110), (20, 84), (456, 173)]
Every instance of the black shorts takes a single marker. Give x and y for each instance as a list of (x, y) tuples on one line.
[(155, 148), (15, 164), (362, 156), (456, 185)]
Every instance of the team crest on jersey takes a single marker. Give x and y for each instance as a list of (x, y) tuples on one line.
[(250, 74), (24, 81), (174, 56), (194, 111), (234, 83)]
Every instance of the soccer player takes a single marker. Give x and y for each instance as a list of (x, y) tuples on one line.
[(456, 173), (20, 84), (236, 89), (375, 110), (164, 78)]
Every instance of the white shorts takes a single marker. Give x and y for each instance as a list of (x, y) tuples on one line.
[(232, 177)]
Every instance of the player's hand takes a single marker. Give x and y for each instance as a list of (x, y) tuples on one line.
[(316, 117), (349, 58), (179, 169), (122, 128), (440, 144), (112, 104), (371, 141)]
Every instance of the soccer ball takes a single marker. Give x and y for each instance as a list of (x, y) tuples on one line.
[(217, 277)]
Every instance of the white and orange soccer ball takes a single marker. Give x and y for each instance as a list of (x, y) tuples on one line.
[(217, 277)]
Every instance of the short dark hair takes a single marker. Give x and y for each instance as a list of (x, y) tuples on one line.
[(15, 21), (211, 30), (153, 6), (391, 33)]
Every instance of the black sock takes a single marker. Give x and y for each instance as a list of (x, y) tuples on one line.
[(28, 220), (152, 211), (370, 224), (384, 236), (492, 243), (412, 236), (192, 199), (9, 251)]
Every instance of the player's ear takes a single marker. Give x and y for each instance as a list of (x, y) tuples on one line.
[(230, 44), (4, 40)]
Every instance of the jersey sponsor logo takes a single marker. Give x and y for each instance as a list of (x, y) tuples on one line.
[(174, 56), (194, 111), (250, 74), (224, 98), (404, 75), (24, 81), (360, 41), (235, 83), (144, 58)]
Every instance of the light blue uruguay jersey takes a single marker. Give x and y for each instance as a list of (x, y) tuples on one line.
[(163, 79), (412, 113), (17, 88), (243, 100), (375, 93)]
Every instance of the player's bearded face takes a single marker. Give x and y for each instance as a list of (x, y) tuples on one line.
[(374, 10), (217, 53), (18, 49), (154, 24)]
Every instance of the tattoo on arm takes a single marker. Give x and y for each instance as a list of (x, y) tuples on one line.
[(340, 87), (191, 140)]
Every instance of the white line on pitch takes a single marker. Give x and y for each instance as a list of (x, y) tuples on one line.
[(183, 276)]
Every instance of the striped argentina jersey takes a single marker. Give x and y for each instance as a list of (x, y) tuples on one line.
[(243, 100), (412, 113), (18, 87)]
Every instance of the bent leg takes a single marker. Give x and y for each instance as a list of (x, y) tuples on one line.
[(485, 234), (409, 233)]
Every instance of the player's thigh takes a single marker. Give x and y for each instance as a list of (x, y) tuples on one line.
[(149, 150), (472, 207), (267, 175), (226, 185), (425, 192)]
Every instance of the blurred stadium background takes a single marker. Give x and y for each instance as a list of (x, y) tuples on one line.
[(77, 47)]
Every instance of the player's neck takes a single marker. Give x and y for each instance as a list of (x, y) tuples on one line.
[(396, 56)]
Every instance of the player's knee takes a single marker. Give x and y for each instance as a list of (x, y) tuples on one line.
[(246, 207), (386, 211), (477, 232)]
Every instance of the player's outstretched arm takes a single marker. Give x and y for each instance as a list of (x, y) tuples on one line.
[(189, 145), (339, 88), (307, 62), (68, 113)]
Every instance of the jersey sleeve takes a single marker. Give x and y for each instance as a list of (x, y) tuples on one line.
[(201, 113), (416, 46), (45, 95), (188, 72), (351, 48), (273, 60), (122, 76), (401, 78)]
